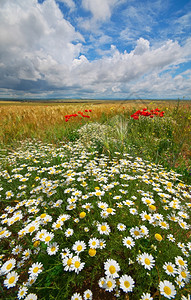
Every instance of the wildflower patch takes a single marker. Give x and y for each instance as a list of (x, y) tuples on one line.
[(83, 222)]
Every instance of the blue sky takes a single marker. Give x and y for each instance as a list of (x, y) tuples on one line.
[(110, 49)]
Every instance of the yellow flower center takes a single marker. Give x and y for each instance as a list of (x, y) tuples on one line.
[(112, 269), (53, 249), (181, 262), (148, 201), (47, 239), (126, 284), (147, 261), (88, 295), (109, 284), (103, 228), (35, 270), (79, 248), (147, 217), (163, 224), (109, 210), (183, 274), (128, 242), (32, 228), (27, 254), (77, 264), (136, 232), (93, 243), (170, 268), (9, 266), (11, 279), (36, 243), (167, 290), (58, 225), (69, 262)]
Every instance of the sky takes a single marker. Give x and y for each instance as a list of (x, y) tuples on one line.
[(95, 49)]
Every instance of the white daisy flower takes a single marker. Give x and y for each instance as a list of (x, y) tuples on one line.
[(111, 268), (76, 296), (102, 205), (57, 225), (183, 224), (67, 262), (79, 246), (88, 295), (32, 227), (31, 296), (128, 202), (16, 250), (93, 243), (104, 214), (69, 232), (126, 283), (128, 242), (171, 238), (146, 217), (22, 292), (8, 266), (26, 254), (121, 227), (102, 244), (63, 218), (184, 274), (147, 260), (65, 252), (180, 262), (40, 235), (146, 296), (170, 269), (133, 211), (164, 225), (104, 228), (167, 289), (11, 279), (77, 265), (144, 230), (109, 284), (101, 282), (136, 232), (48, 237), (35, 269), (180, 282), (52, 249)]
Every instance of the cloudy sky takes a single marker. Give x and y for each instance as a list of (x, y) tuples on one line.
[(116, 49)]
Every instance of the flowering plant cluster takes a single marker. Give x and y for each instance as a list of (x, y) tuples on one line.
[(144, 112), (67, 117), (75, 224)]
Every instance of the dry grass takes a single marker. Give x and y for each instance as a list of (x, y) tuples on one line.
[(20, 120)]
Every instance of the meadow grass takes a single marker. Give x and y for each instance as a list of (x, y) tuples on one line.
[(95, 208)]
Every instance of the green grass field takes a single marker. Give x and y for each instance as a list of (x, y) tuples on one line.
[(95, 200)]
